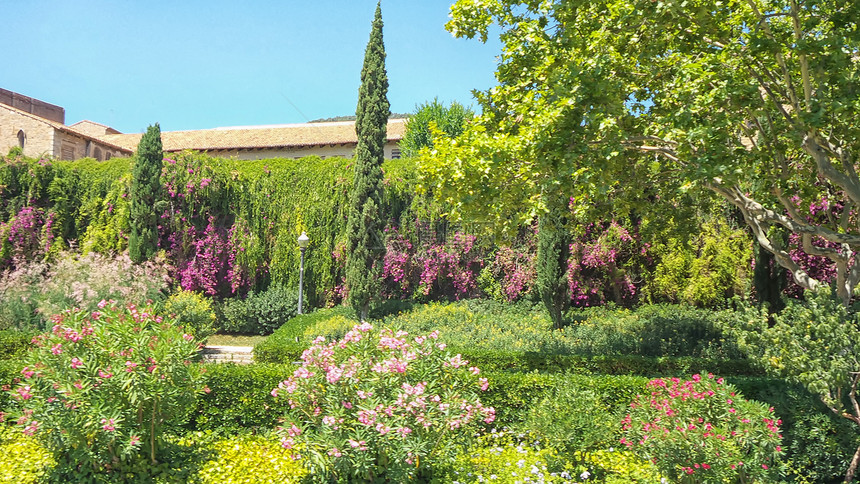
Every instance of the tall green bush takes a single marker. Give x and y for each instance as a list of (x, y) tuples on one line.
[(365, 223), (145, 192)]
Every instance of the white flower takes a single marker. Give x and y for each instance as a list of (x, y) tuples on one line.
[(585, 475)]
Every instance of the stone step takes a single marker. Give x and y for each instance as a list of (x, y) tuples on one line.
[(228, 354)]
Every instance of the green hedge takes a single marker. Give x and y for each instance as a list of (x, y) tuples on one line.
[(239, 397), (14, 343)]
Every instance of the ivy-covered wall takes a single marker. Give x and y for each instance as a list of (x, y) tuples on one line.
[(228, 227)]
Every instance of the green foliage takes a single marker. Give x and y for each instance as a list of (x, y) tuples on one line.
[(239, 397), (15, 343), (812, 343), (574, 420), (552, 256), (24, 460), (640, 103), (261, 312), (250, 460), (100, 387), (445, 120), (499, 457), (365, 247), (818, 445), (193, 311), (286, 344), (705, 269), (144, 195)]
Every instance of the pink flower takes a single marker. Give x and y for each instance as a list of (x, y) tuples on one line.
[(287, 443), (187, 337), (103, 374), (102, 304), (485, 384), (130, 366), (334, 452), (27, 372), (108, 424), (57, 349), (76, 363), (134, 440), (24, 392), (360, 444)]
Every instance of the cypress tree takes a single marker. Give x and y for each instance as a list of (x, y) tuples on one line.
[(364, 224), (552, 257), (145, 190)]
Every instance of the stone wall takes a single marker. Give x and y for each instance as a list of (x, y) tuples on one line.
[(38, 136)]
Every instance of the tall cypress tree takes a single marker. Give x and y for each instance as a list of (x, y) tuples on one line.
[(145, 190), (553, 254), (364, 225)]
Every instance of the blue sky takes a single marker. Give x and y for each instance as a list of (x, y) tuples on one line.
[(204, 64)]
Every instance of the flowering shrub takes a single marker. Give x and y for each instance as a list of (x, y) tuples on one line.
[(703, 430), (100, 386), (599, 263), (378, 403), (27, 235)]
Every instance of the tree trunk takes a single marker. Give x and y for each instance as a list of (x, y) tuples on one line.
[(849, 475)]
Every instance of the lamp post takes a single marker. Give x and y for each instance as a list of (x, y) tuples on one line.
[(303, 244)]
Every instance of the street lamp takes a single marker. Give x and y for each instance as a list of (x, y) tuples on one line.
[(303, 244)]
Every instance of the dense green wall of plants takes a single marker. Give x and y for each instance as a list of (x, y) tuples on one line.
[(229, 227)]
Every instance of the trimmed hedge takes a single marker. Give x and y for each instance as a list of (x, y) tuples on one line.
[(14, 343), (239, 397)]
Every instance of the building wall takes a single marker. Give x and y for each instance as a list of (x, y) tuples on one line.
[(67, 146), (344, 151), (39, 136), (33, 106)]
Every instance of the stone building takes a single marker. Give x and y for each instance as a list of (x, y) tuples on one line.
[(325, 139), (39, 129)]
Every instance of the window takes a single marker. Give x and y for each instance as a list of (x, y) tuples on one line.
[(107, 155), (21, 139), (67, 152), (395, 153), (98, 153)]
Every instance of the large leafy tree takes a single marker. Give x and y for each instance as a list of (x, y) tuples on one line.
[(364, 224), (448, 120), (145, 193), (637, 101)]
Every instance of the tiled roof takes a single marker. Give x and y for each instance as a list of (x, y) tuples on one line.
[(259, 137), (70, 130)]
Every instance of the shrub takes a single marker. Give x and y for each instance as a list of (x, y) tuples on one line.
[(14, 344), (703, 430), (193, 311), (99, 388), (378, 404), (260, 313), (239, 398), (24, 460), (502, 458), (248, 460), (286, 344), (575, 420)]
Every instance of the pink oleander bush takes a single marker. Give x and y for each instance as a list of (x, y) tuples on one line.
[(380, 403), (704, 431), (98, 388)]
